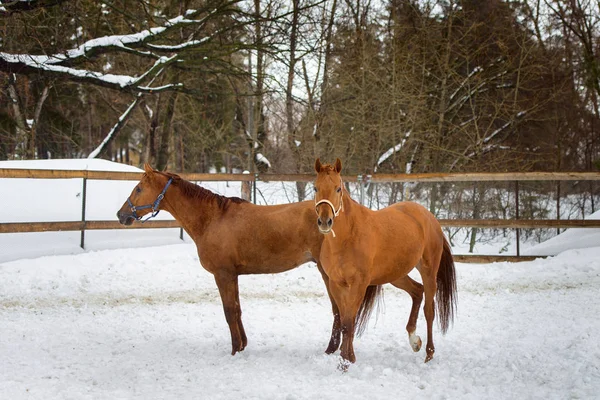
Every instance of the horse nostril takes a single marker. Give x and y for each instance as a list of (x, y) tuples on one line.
[(319, 222), (329, 222), (119, 214)]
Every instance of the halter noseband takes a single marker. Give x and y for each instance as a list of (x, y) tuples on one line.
[(330, 204), (153, 206)]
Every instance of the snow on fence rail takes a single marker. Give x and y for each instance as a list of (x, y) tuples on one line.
[(516, 223)]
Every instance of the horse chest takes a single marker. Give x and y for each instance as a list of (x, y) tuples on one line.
[(342, 263)]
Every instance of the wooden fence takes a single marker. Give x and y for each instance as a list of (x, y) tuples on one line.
[(515, 223)]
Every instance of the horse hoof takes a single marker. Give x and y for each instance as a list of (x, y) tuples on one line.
[(237, 350), (415, 343), (343, 365), (429, 357), (332, 348)]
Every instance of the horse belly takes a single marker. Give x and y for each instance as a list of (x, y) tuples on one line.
[(380, 277), (260, 248), (395, 262), (273, 262)]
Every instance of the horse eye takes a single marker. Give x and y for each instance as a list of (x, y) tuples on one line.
[(138, 189), (339, 189)]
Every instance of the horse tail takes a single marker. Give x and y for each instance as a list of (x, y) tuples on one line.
[(446, 288), (372, 298)]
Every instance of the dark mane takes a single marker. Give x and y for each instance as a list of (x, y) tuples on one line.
[(198, 192)]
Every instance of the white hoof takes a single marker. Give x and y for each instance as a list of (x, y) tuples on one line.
[(415, 341)]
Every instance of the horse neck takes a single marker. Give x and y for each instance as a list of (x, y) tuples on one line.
[(193, 213), (349, 203), (350, 209)]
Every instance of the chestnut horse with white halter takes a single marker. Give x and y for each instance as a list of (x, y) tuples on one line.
[(233, 237), (370, 248)]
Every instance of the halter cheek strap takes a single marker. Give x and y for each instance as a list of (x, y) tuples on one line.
[(154, 206)]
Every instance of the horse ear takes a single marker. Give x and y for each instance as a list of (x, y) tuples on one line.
[(318, 165), (148, 168), (338, 165)]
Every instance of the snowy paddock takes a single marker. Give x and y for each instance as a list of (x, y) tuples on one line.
[(135, 316), (147, 323)]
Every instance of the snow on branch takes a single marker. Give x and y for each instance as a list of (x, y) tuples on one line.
[(116, 128), (61, 64), (392, 151), (181, 46), (476, 70), (260, 158), (26, 65), (112, 134), (481, 149), (480, 88), (106, 43)]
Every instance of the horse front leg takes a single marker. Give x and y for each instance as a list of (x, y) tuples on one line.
[(348, 298), (415, 290), (336, 331), (228, 289)]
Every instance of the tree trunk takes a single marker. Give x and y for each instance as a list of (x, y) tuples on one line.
[(165, 137)]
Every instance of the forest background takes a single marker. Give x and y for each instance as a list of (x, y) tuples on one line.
[(269, 85)]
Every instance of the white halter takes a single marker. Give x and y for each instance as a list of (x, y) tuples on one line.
[(330, 204)]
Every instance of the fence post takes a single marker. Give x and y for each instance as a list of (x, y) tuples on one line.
[(592, 192), (83, 201), (558, 204), (254, 188), (367, 183), (517, 216), (361, 189)]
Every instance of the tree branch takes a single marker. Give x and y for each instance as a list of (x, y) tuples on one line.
[(59, 65), (22, 64)]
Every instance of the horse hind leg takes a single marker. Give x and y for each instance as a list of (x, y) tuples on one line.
[(415, 290), (428, 274)]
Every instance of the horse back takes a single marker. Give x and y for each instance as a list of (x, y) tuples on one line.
[(427, 222), (404, 232)]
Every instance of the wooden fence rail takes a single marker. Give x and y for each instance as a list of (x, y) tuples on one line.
[(449, 177), (83, 224)]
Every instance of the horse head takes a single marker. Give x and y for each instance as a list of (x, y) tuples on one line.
[(146, 197), (329, 194)]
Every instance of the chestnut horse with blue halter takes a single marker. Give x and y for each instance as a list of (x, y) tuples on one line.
[(233, 237), (364, 249)]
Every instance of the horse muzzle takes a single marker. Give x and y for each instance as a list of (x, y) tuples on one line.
[(125, 219), (325, 224), (325, 227), (325, 231)]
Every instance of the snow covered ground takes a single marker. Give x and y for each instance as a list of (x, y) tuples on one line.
[(146, 322)]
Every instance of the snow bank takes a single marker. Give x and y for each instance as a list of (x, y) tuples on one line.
[(574, 238)]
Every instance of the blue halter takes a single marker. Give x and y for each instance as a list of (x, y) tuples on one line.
[(153, 206)]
